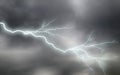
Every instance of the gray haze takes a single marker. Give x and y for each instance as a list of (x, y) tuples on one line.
[(24, 55)]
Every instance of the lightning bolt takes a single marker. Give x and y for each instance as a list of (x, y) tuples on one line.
[(81, 51)]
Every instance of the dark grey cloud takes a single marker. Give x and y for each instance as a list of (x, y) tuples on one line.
[(24, 55)]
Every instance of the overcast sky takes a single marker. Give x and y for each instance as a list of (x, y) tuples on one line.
[(25, 55)]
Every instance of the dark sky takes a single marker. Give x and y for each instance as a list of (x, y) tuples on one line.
[(24, 55)]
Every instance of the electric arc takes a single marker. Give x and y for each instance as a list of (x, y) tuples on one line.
[(81, 51)]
